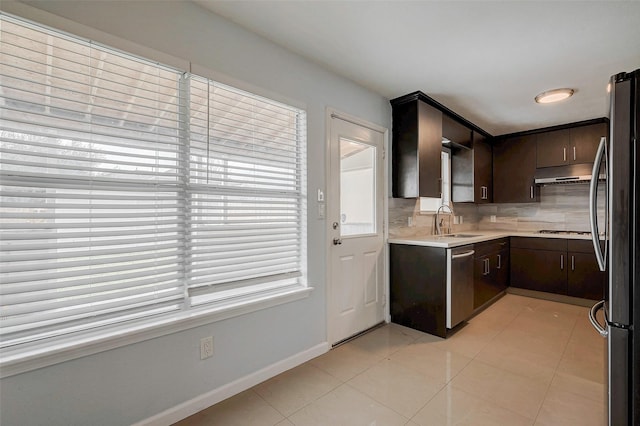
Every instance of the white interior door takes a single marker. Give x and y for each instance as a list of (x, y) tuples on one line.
[(355, 218)]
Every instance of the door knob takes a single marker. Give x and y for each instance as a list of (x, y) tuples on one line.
[(337, 241)]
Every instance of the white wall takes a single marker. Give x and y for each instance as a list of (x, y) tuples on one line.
[(135, 382)]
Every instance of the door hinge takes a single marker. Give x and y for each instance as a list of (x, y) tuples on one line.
[(384, 154)]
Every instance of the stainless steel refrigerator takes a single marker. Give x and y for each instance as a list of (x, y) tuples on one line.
[(620, 254)]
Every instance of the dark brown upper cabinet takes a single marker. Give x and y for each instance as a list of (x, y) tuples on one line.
[(417, 143), (471, 172), (421, 128), (552, 148), (586, 140), (514, 167), (575, 145), (455, 135)]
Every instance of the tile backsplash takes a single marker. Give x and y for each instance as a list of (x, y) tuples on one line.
[(402, 210), (561, 207)]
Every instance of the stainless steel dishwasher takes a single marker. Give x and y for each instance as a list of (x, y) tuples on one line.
[(459, 284)]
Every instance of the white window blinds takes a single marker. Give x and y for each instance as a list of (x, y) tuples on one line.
[(126, 186), (245, 189)]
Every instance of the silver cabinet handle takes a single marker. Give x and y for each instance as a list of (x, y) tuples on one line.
[(593, 204), (573, 263), (574, 153), (594, 321), (564, 154), (531, 192), (562, 262), (486, 267), (337, 241), (484, 192), (465, 254), (499, 266)]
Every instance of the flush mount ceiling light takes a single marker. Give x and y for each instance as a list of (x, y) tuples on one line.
[(555, 95)]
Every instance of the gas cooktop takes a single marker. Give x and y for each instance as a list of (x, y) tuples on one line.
[(553, 231)]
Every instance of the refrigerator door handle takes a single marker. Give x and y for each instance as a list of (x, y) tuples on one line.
[(593, 204), (594, 321)]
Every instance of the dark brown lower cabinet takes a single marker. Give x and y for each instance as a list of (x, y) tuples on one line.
[(556, 265), (540, 270), (418, 287), (502, 266), (490, 270), (584, 276)]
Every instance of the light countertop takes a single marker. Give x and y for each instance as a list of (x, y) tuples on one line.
[(472, 237)]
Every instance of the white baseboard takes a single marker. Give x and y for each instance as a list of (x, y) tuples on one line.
[(199, 403)]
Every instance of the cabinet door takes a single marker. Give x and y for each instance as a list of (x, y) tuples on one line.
[(539, 270), (417, 143), (418, 287), (429, 148), (502, 269), (455, 131), (514, 166), (482, 170), (481, 281), (585, 141), (585, 278), (553, 148)]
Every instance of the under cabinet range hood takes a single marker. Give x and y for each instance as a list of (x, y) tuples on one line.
[(574, 173)]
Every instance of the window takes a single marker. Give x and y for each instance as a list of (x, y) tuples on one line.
[(131, 190)]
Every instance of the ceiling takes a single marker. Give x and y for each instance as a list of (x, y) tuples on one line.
[(484, 60)]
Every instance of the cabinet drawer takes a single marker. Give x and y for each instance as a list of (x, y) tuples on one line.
[(581, 246), (493, 246), (535, 243)]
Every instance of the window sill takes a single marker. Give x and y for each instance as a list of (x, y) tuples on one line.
[(46, 353)]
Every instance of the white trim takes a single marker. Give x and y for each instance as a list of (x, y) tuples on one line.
[(47, 353), (327, 221), (199, 403), (334, 113)]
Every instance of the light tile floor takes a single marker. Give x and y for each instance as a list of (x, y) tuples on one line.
[(522, 361)]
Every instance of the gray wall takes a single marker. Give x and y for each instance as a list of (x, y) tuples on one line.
[(134, 382)]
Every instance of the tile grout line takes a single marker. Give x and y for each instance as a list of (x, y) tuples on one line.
[(555, 370), (449, 381), (342, 382), (533, 420)]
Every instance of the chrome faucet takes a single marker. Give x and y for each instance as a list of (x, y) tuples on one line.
[(440, 221)]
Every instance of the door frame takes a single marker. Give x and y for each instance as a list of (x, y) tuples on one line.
[(331, 113)]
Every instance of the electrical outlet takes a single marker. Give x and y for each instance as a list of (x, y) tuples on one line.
[(206, 347), (409, 221), (492, 218)]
